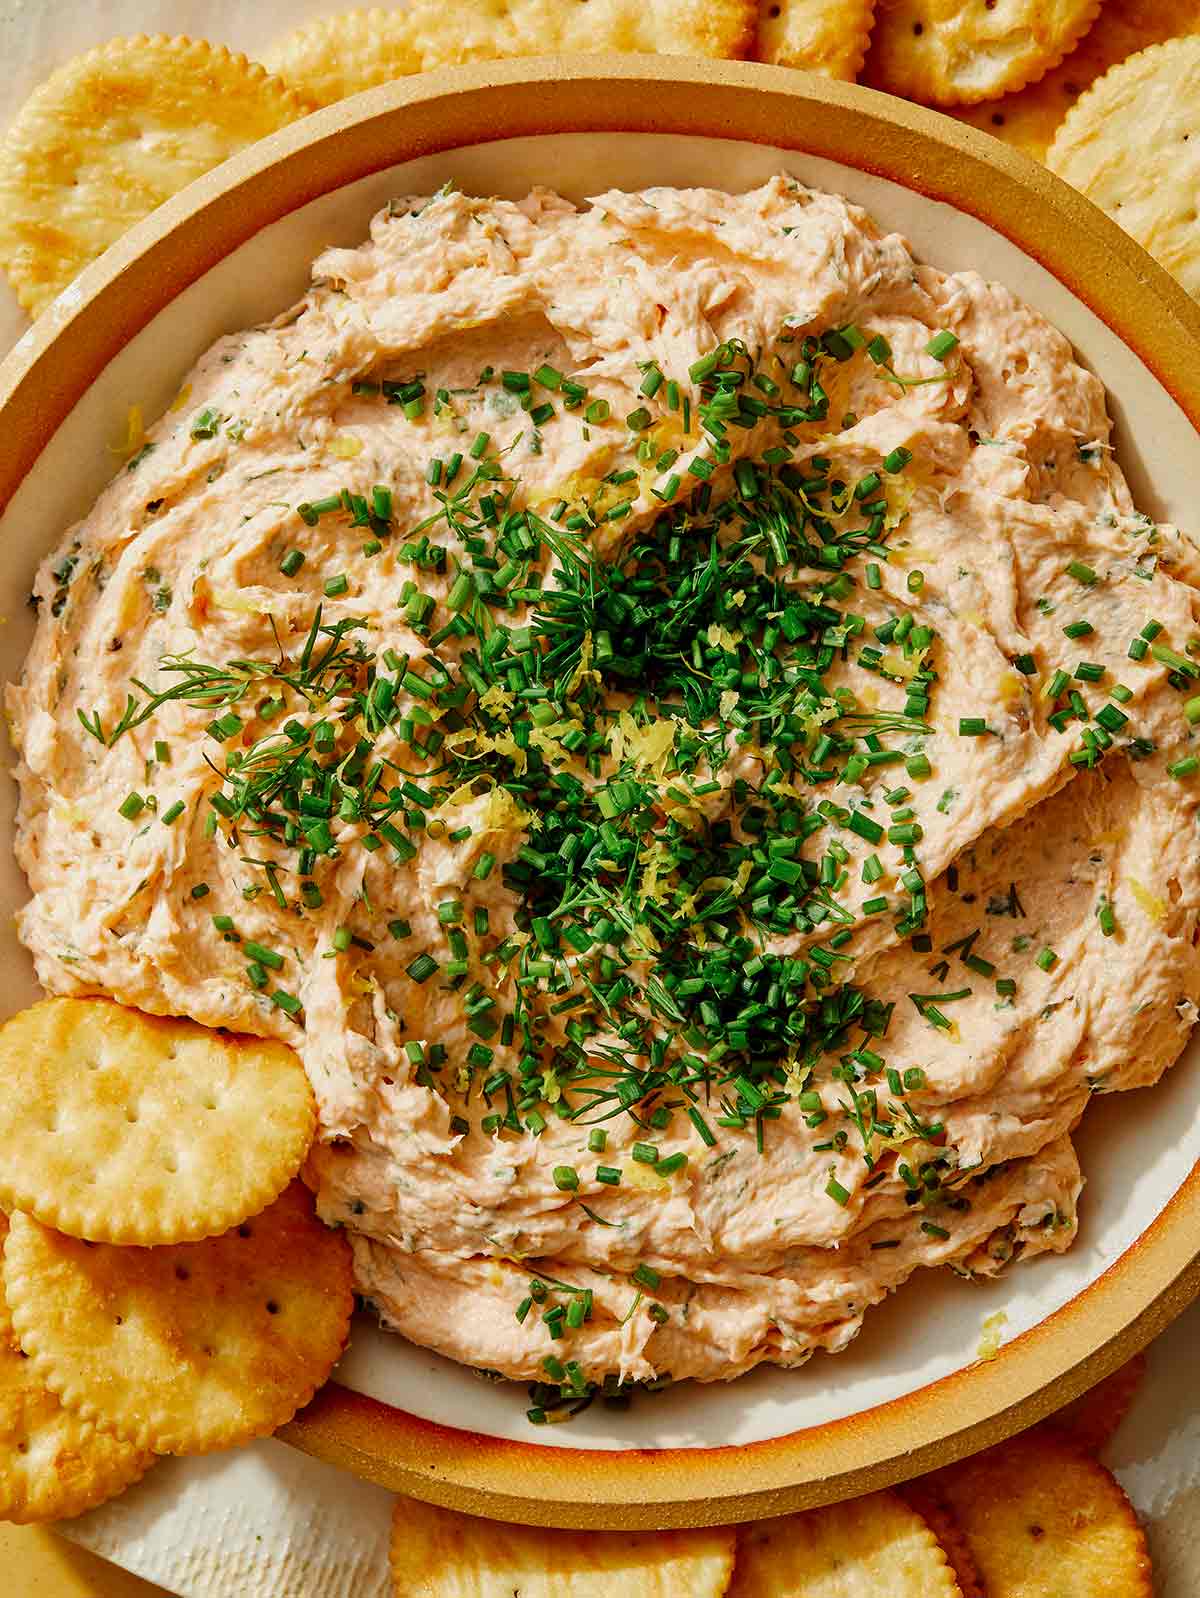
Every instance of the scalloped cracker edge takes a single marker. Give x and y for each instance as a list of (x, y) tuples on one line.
[(112, 134)]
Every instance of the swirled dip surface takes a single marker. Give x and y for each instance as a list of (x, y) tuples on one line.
[(670, 708)]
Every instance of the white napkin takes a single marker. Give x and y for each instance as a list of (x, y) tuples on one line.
[(262, 1522)]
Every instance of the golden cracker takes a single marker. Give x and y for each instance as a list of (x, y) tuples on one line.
[(858, 1549), (826, 36), (1092, 1419), (1147, 183), (129, 1128), (439, 1553), (188, 1347), (1029, 119), (1044, 1520), (340, 55), (954, 52), (52, 1464), (110, 136)]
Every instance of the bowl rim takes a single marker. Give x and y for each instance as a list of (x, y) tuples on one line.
[(1142, 1290)]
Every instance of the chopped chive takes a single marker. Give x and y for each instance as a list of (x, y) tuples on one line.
[(865, 827), (941, 344), (264, 956)]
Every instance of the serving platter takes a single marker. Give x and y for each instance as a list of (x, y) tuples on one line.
[(235, 249)]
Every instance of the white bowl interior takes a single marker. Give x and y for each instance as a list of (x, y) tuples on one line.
[(1135, 1150)]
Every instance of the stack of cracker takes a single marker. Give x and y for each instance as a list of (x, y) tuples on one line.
[(167, 1286)]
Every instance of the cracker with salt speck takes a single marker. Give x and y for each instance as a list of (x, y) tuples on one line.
[(52, 1464), (954, 52), (825, 36), (112, 134), (1044, 1520), (439, 1553), (335, 56), (129, 1128), (1150, 183), (858, 1549), (190, 1347)]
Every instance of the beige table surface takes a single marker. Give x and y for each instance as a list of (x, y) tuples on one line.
[(37, 1564), (1157, 1452)]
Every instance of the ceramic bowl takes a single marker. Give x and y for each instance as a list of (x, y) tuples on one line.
[(234, 249)]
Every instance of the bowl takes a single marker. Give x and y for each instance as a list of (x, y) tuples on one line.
[(234, 248)]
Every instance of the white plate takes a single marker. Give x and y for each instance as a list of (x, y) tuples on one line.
[(1136, 1149)]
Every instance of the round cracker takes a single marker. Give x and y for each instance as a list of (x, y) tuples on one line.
[(1029, 119), (1094, 1416), (439, 1553), (52, 1464), (857, 1549), (110, 136), (336, 56), (1045, 1520), (129, 1128), (954, 52), (826, 36), (189, 1347), (1148, 184)]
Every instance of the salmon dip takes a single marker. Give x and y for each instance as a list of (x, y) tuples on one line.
[(670, 708)]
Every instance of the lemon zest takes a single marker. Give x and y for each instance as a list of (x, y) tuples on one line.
[(1149, 903), (991, 1335), (135, 435)]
